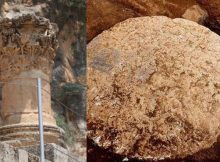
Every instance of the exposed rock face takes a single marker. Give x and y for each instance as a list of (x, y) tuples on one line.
[(102, 15), (213, 8), (54, 153), (24, 108), (69, 62), (153, 88), (66, 37)]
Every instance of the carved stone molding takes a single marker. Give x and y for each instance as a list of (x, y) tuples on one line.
[(26, 42)]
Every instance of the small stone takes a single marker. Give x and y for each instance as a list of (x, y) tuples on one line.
[(125, 159), (196, 14), (5, 7)]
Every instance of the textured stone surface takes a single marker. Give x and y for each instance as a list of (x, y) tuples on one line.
[(196, 14), (10, 154), (27, 42), (102, 15), (22, 91), (55, 153), (20, 117), (28, 45), (154, 88), (69, 63)]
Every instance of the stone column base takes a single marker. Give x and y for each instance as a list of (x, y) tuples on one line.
[(19, 135), (55, 153)]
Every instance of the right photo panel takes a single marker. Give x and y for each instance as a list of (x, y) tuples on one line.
[(153, 78)]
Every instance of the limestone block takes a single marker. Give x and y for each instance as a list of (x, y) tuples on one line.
[(22, 90), (153, 88), (54, 153), (22, 156), (7, 153), (60, 155)]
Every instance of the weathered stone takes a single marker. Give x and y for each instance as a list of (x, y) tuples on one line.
[(195, 13), (23, 92), (27, 50), (10, 154), (55, 153), (20, 117), (30, 41), (153, 88), (7, 153), (22, 156), (102, 15), (13, 9)]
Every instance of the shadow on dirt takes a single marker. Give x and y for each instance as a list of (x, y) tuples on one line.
[(97, 154)]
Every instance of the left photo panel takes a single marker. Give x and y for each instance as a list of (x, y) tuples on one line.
[(42, 81)]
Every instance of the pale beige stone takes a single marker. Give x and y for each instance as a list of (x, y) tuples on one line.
[(153, 88), (195, 13)]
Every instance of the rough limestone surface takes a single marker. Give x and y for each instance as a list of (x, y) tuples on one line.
[(10, 154), (27, 42), (154, 88), (27, 50)]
